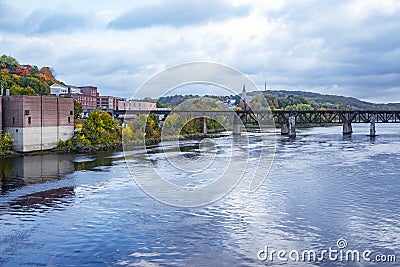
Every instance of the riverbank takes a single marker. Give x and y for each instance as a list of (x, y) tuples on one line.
[(119, 146), (8, 153), (88, 148)]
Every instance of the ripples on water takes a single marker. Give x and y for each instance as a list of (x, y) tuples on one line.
[(86, 210)]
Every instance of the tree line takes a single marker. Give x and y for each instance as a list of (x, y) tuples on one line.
[(25, 79)]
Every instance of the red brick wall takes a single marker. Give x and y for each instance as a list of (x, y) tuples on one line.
[(50, 112), (115, 104), (89, 97), (89, 90), (87, 102), (32, 104), (14, 108), (65, 108), (12, 111)]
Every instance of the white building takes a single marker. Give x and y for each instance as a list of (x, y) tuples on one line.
[(60, 89)]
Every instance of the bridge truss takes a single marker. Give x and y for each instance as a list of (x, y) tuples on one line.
[(282, 116)]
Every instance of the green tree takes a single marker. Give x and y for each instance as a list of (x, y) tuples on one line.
[(77, 109), (39, 87), (5, 141), (152, 127), (18, 90), (159, 105), (8, 62), (101, 129), (127, 133), (35, 70), (304, 107)]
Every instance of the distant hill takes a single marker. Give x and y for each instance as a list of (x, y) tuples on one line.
[(291, 100), (25, 79), (344, 101)]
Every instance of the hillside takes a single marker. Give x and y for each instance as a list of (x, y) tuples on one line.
[(292, 100), (329, 100), (24, 79)]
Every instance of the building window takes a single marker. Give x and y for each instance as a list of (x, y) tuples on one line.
[(29, 120), (16, 130), (27, 112), (71, 112), (13, 120), (69, 119)]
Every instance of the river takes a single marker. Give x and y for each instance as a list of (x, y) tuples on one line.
[(86, 210)]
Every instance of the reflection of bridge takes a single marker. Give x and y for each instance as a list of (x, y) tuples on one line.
[(289, 118)]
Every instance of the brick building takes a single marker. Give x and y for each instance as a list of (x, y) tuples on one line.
[(37, 122), (88, 97), (108, 102), (85, 95)]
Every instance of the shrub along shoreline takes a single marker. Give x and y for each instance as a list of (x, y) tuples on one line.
[(101, 132), (6, 144)]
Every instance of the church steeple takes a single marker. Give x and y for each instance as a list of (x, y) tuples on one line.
[(244, 93)]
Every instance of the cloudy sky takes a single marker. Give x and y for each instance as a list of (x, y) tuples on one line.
[(349, 47)]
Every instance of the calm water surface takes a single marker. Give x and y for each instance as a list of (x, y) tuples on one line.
[(85, 210)]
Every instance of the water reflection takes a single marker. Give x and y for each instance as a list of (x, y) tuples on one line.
[(27, 170), (39, 201), (93, 161)]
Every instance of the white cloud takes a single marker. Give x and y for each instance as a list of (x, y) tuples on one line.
[(342, 47)]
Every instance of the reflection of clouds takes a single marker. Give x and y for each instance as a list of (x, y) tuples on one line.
[(328, 143), (366, 153), (214, 160), (385, 148), (370, 225)]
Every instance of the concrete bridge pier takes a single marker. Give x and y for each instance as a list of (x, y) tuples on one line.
[(204, 130), (292, 126), (347, 128), (284, 128), (236, 125), (372, 129)]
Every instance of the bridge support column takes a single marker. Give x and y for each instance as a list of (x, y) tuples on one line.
[(204, 130), (292, 126), (284, 128), (236, 125), (372, 129), (347, 128)]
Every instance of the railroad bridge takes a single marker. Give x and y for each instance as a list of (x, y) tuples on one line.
[(287, 119)]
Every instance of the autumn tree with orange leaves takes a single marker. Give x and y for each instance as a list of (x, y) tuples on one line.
[(25, 79)]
